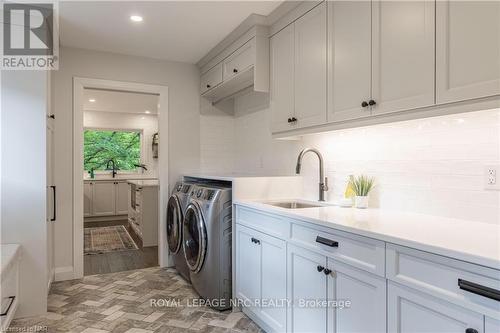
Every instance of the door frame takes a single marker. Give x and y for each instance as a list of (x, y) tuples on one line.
[(79, 84)]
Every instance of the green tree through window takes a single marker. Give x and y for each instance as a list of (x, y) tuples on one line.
[(100, 146)]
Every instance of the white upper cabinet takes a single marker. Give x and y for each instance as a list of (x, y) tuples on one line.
[(211, 79), (310, 68), (467, 50), (349, 36), (402, 55), (239, 61), (299, 72), (282, 76)]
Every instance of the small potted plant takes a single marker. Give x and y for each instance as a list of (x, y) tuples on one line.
[(362, 185)]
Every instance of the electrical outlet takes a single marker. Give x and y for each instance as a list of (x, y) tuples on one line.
[(490, 177)]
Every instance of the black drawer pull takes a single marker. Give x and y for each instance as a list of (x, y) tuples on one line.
[(327, 242), (479, 289), (255, 240), (12, 298)]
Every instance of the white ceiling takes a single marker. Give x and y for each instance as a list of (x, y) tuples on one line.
[(119, 101), (172, 30)]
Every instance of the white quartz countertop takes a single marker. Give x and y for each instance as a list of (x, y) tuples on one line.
[(470, 241), (230, 176), (144, 183), (9, 253)]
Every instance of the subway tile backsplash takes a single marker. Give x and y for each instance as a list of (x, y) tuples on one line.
[(430, 166)]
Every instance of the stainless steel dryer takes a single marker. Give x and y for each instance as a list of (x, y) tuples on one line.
[(207, 243), (176, 207)]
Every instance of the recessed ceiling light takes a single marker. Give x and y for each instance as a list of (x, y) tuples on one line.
[(136, 18), (91, 100), (147, 111)]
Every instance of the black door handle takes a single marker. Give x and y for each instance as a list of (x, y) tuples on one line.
[(471, 330), (235, 70), (11, 300), (289, 120), (320, 268), (364, 104), (293, 119), (255, 240), (54, 204), (371, 102), (478, 289), (208, 86), (327, 242), (327, 271)]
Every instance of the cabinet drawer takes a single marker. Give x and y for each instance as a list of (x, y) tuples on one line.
[(463, 283), (211, 79), (361, 252), (240, 60), (267, 223)]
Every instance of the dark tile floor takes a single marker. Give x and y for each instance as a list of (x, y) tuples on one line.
[(122, 303)]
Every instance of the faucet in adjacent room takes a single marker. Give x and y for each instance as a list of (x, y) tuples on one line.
[(114, 168), (323, 181)]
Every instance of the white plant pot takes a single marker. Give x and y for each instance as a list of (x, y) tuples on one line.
[(361, 202)]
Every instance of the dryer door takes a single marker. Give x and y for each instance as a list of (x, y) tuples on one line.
[(174, 224), (195, 237)]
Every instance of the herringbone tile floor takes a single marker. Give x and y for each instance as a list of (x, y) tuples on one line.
[(122, 302)]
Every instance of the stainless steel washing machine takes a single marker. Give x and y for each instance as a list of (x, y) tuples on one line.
[(176, 207), (207, 243)]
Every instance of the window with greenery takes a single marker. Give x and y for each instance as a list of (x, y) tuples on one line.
[(101, 146)]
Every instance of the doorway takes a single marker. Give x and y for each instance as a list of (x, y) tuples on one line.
[(120, 177)]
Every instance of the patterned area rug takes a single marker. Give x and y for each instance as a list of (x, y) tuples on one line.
[(107, 239)]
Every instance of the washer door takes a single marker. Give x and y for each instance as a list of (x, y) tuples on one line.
[(195, 238), (174, 224)]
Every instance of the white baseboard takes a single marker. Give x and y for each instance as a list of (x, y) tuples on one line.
[(51, 279), (64, 273)]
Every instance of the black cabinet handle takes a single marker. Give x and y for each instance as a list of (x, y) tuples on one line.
[(294, 119), (371, 102), (208, 86), (255, 240), (471, 330), (327, 242), (364, 104), (327, 271), (235, 70), (52, 116), (11, 300), (320, 268), (54, 205), (479, 290), (289, 120)]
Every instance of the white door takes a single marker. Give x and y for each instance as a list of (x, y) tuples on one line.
[(409, 310), (121, 194), (366, 293), (306, 282), (51, 188), (87, 199), (248, 268), (273, 282), (310, 68), (403, 35), (282, 78), (491, 325), (467, 50), (349, 34), (103, 198)]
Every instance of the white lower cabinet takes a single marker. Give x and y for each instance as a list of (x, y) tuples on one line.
[(103, 198), (412, 311), (261, 277), (491, 325)]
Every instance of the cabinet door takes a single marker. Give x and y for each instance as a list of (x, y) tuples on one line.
[(366, 293), (349, 34), (121, 195), (242, 59), (412, 311), (491, 325), (467, 50), (282, 76), (248, 268), (273, 280), (211, 79), (403, 55), (87, 199), (103, 198), (310, 68), (306, 283)]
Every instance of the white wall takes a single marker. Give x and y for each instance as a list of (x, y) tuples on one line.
[(148, 124), (431, 166), (184, 139), (23, 186)]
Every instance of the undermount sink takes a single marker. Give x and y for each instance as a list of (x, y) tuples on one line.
[(294, 204)]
